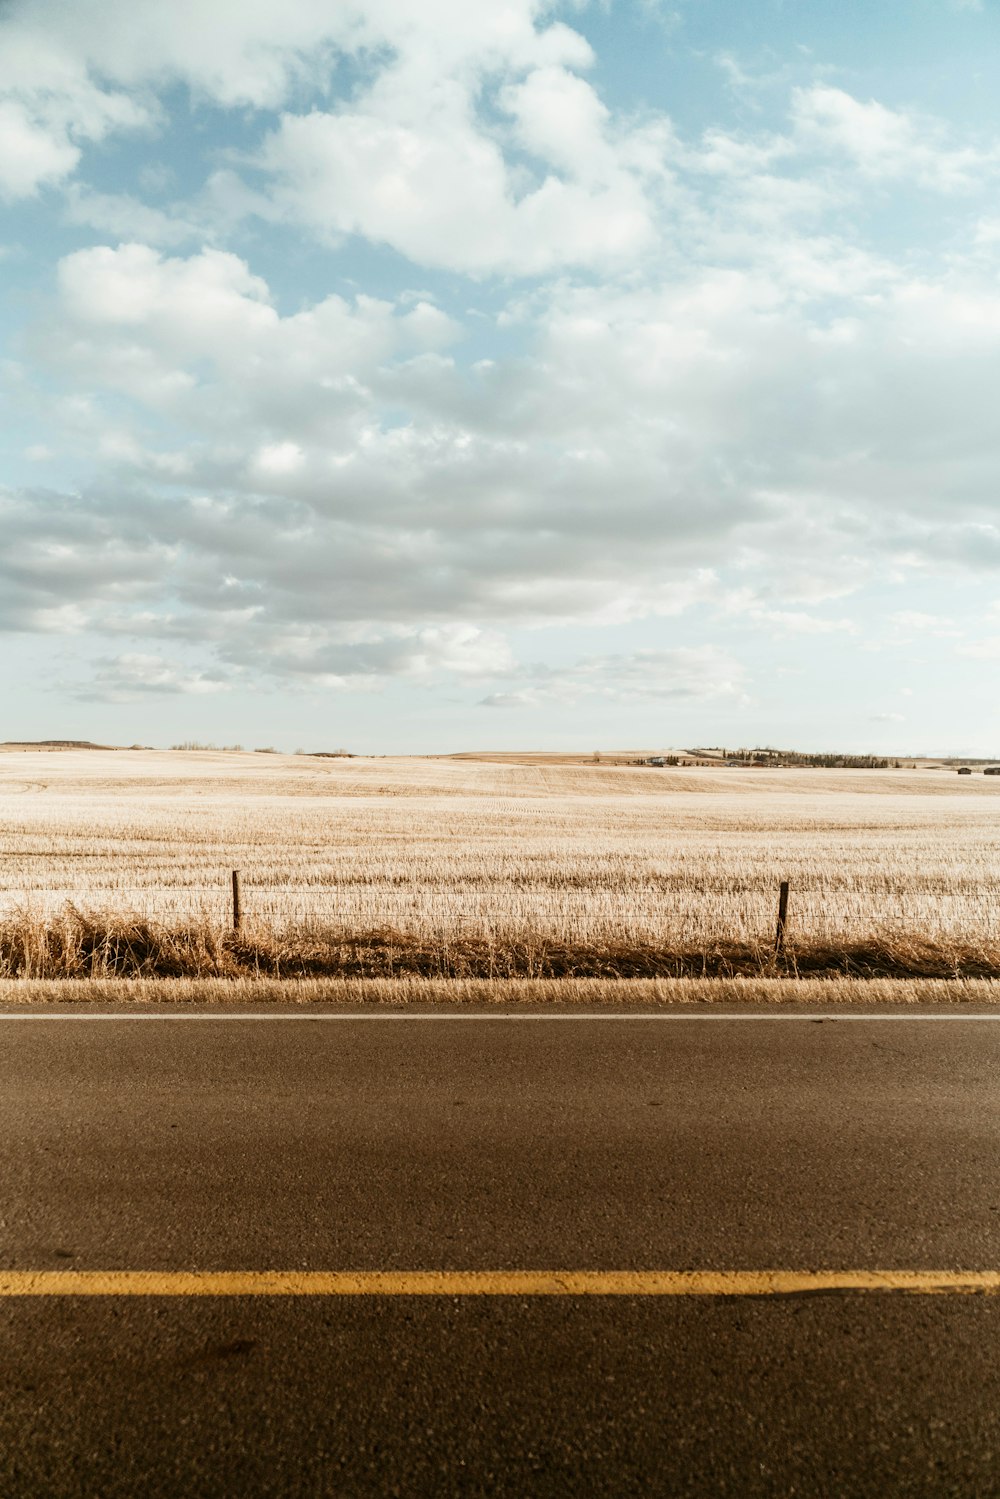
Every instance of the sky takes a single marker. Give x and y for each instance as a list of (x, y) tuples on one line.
[(493, 374)]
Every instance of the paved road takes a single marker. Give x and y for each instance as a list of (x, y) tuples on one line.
[(484, 1144)]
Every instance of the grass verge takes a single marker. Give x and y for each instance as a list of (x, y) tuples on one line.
[(648, 994), (75, 944)]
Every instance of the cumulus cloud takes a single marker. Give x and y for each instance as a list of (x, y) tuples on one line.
[(986, 649), (126, 217), (919, 622), (324, 653), (31, 155), (166, 331), (695, 380), (412, 163), (70, 74), (697, 673), (331, 491), (440, 192), (406, 151), (51, 103), (132, 676), (64, 558), (834, 150), (790, 622), (883, 143)]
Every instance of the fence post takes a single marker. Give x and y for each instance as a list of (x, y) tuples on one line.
[(237, 902), (779, 937)]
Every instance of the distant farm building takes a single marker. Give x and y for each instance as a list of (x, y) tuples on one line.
[(991, 770), (657, 760), (964, 770)]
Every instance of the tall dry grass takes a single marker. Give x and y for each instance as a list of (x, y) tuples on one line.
[(73, 943), (119, 864), (535, 993)]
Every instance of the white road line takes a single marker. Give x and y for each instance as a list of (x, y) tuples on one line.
[(505, 1016)]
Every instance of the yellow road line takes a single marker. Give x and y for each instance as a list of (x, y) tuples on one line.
[(491, 1282)]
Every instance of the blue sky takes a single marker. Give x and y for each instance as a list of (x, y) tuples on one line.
[(495, 374)]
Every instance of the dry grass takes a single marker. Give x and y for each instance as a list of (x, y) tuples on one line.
[(117, 864), (644, 994), (75, 944)]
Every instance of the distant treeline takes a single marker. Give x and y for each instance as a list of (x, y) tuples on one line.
[(843, 762), (821, 762)]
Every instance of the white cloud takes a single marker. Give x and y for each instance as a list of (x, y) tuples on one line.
[(313, 652), (987, 649), (421, 172), (130, 677), (917, 622), (71, 73), (559, 118), (347, 474), (785, 622), (230, 51), (699, 673), (883, 143), (149, 325), (332, 488), (276, 459), (30, 155), (406, 154), (125, 217), (64, 559), (50, 106)]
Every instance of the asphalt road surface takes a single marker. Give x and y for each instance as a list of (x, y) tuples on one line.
[(305, 1144)]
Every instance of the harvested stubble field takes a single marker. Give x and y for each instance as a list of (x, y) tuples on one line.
[(117, 865)]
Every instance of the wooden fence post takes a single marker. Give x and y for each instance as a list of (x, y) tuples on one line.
[(779, 938), (237, 902)]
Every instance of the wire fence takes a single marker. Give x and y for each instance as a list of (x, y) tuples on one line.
[(775, 911)]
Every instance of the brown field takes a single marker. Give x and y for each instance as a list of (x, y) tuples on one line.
[(119, 862)]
